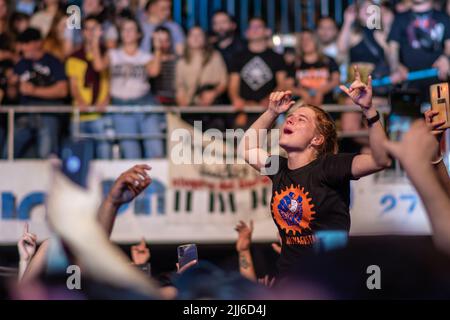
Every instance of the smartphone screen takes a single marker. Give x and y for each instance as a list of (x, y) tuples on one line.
[(76, 157), (186, 254)]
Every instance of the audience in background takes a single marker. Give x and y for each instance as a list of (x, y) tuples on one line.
[(42, 81), (43, 19), (327, 33), (201, 78), (4, 17), (225, 37), (201, 75), (315, 75), (163, 85), (110, 35), (89, 87), (420, 39), (55, 42), (255, 72), (129, 69), (18, 23), (366, 48), (157, 13)]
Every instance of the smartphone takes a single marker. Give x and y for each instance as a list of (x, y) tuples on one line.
[(186, 254), (76, 157), (440, 102)]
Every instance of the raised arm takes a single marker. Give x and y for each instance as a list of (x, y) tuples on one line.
[(246, 267), (127, 187), (415, 152), (100, 61), (364, 165), (438, 159), (250, 145)]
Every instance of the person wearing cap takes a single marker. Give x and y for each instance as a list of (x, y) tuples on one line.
[(41, 81)]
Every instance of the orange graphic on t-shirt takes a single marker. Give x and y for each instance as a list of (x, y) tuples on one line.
[(293, 210), (313, 78)]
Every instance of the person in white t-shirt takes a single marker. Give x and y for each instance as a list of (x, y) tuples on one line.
[(130, 69)]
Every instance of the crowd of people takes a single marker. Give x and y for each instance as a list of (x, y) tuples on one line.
[(132, 53), (82, 231)]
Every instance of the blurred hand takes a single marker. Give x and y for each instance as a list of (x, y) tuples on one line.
[(359, 92), (350, 14), (443, 66), (207, 98), (266, 281), (277, 246), (186, 266), (434, 125), (417, 147), (27, 245), (244, 236), (27, 88), (130, 184), (101, 106), (98, 32), (157, 43), (399, 75), (238, 104), (280, 102), (140, 253)]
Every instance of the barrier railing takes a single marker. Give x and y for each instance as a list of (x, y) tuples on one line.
[(11, 112)]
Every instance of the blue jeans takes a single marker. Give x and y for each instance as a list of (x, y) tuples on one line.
[(44, 127), (103, 148), (139, 123)]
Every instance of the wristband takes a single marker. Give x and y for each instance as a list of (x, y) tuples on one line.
[(441, 158), (373, 120)]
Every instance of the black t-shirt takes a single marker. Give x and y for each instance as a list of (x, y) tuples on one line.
[(229, 52), (257, 72), (309, 199), (44, 72), (421, 37), (315, 75)]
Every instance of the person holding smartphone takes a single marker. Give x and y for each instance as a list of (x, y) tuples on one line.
[(311, 188)]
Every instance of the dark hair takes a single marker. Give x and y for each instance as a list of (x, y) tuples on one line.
[(231, 17), (166, 30), (16, 16), (29, 35), (138, 27), (261, 19), (300, 56), (93, 17), (328, 18)]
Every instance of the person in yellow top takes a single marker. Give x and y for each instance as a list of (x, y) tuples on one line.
[(90, 88)]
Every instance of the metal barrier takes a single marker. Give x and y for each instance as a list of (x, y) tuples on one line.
[(11, 111), (283, 16)]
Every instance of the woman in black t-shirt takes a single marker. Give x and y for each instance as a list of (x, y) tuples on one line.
[(311, 186), (314, 76)]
